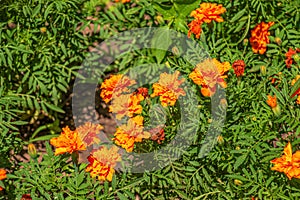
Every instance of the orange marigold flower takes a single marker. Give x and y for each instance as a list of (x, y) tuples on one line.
[(288, 163), (195, 28), (88, 133), (102, 163), (68, 142), (127, 104), (205, 14), (239, 67), (2, 174), (209, 73), (126, 135), (168, 88), (123, 1), (259, 37), (209, 12), (272, 101), (114, 86)]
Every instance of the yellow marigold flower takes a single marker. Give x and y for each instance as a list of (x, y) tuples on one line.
[(288, 163), (127, 104), (102, 163), (114, 86), (259, 37), (126, 135), (209, 12), (68, 142), (168, 88), (88, 133)]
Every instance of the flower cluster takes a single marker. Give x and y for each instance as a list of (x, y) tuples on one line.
[(207, 13), (288, 163), (167, 88), (289, 56), (259, 37), (208, 74)]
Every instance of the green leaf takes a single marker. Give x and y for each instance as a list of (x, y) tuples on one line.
[(238, 15), (160, 43), (240, 160), (54, 108)]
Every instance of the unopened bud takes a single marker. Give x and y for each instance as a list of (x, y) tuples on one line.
[(245, 42), (175, 51), (209, 121), (43, 29), (296, 58), (278, 40), (237, 182), (32, 151), (220, 139), (276, 110), (160, 19), (263, 70)]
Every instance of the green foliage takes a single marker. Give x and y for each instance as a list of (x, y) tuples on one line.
[(44, 42)]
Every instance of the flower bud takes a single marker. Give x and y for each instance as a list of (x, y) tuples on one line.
[(245, 42), (278, 40), (32, 151), (276, 110), (296, 58), (175, 51), (263, 70), (160, 19), (43, 29), (220, 139), (237, 182)]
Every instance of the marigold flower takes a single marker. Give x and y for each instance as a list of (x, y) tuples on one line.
[(32, 151), (297, 92), (88, 133), (123, 1), (102, 163), (239, 67), (114, 86), (289, 56), (157, 134), (259, 37), (143, 92), (126, 135), (195, 28), (288, 163), (272, 101), (68, 142), (127, 104), (205, 14), (209, 12), (2, 176), (168, 88), (209, 73), (26, 197)]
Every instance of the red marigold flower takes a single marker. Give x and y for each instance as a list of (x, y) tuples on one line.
[(114, 86), (26, 197), (272, 101), (127, 104), (102, 163), (288, 163), (209, 12), (126, 135), (239, 67), (259, 37), (143, 91), (289, 56), (157, 134), (167, 88), (88, 133), (68, 142)]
